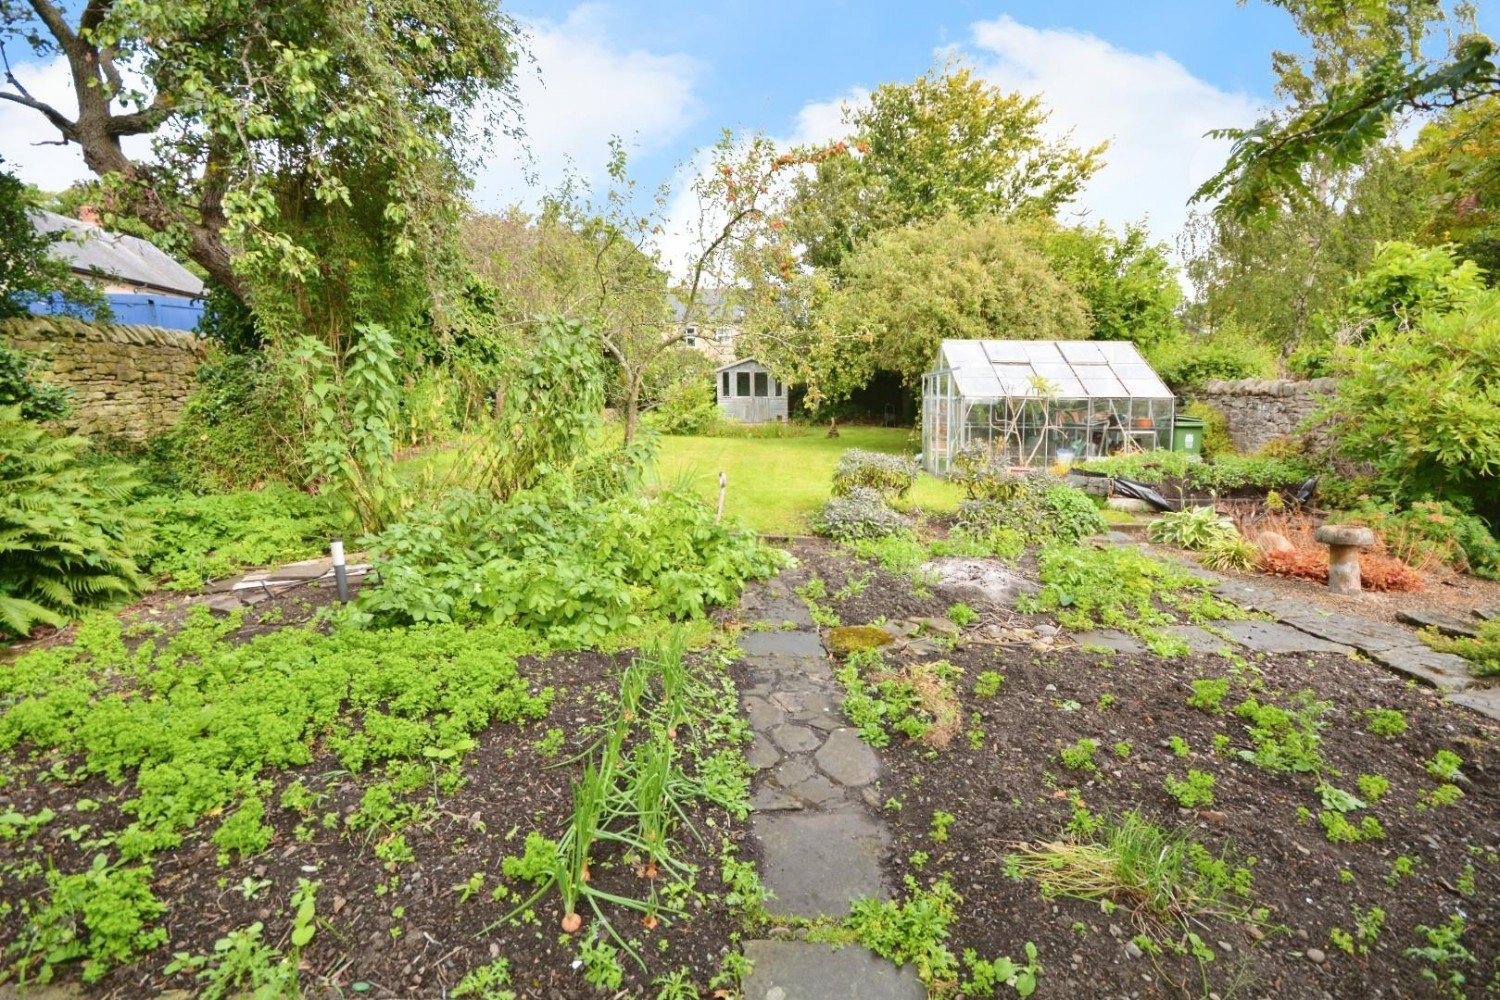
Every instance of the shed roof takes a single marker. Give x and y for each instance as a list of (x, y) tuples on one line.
[(95, 252), (1062, 369), (737, 363)]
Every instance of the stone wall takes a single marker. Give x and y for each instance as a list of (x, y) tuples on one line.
[(1261, 410), (128, 381)]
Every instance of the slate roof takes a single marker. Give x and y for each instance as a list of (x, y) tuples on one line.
[(95, 252), (1075, 369)]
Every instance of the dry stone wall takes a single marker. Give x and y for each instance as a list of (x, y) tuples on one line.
[(128, 381), (1260, 410)]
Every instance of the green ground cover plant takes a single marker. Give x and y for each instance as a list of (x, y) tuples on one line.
[(1482, 651), (555, 562), (1122, 588), (196, 539)]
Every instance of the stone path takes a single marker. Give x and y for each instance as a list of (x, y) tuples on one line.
[(815, 809), (1300, 627)]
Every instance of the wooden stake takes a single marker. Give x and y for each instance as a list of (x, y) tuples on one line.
[(723, 485)]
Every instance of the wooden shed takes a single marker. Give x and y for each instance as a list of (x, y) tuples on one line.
[(749, 393)]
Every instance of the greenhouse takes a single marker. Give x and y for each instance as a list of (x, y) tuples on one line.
[(1039, 403)]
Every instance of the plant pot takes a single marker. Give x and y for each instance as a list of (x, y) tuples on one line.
[(1142, 423)]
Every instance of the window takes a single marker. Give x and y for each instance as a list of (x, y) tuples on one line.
[(725, 393), (742, 383), (761, 384), (691, 338), (778, 387), (724, 334)]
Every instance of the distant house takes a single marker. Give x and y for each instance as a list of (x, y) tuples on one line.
[(143, 285), (749, 392), (715, 327)]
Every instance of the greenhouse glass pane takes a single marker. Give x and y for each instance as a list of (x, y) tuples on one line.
[(965, 354), (1042, 351), (1081, 352), (1101, 384), (1005, 351)]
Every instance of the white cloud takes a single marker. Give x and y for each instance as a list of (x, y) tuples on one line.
[(28, 136), (579, 92), (1153, 111)]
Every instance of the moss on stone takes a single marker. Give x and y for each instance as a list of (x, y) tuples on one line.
[(853, 638)]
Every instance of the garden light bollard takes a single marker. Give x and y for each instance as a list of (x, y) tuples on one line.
[(723, 485), (340, 574), (1344, 542)]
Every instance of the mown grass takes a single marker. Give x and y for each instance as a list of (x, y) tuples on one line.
[(775, 483)]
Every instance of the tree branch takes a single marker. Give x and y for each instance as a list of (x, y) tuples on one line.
[(58, 25), (68, 128)]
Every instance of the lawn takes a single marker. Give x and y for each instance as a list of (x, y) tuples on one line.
[(774, 483)]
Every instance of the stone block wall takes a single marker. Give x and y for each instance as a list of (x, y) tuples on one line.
[(128, 381), (1261, 410)]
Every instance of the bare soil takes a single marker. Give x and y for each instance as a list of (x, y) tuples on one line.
[(1012, 790)]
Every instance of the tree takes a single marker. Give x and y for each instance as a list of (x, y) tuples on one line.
[(1127, 281), (28, 271), (1457, 158), (909, 289), (947, 143), (1367, 68), (271, 122), (597, 261)]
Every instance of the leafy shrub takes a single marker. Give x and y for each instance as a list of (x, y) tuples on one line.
[(67, 541), (554, 563), (892, 476), (1230, 552), (1193, 528), (102, 915), (1216, 439), (1260, 473), (862, 513), (196, 539), (687, 407), (1036, 506), (1430, 529), (1187, 361), (1439, 435), (237, 431), (38, 399)]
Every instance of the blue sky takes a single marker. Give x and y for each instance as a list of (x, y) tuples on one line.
[(1150, 76)]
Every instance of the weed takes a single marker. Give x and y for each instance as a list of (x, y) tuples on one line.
[(1285, 740), (1466, 883), (1122, 749), (1442, 795), (487, 982), (986, 976), (941, 821), (1386, 722), (551, 744), (1080, 756), (1339, 830), (962, 615), (1197, 790), (601, 962), (1373, 786), (1445, 953), (1403, 867), (1179, 746), (987, 684), (1445, 765), (1208, 694), (1106, 702), (103, 915)]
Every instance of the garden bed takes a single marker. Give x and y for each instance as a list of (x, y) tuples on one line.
[(1005, 785)]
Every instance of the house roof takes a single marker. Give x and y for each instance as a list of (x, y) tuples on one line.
[(714, 308), (1061, 369), (98, 253)]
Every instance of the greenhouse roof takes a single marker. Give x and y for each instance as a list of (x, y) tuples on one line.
[(1060, 369)]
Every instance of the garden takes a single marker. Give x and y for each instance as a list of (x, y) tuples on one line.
[(427, 629)]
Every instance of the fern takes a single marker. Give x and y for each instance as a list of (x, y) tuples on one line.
[(67, 543)]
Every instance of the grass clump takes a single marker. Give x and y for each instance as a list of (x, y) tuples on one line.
[(1163, 876), (917, 701)]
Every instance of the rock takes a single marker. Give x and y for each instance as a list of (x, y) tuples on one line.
[(937, 626), (1271, 541), (1046, 631), (977, 581), (1132, 949), (1130, 505), (854, 638), (1446, 624), (1344, 536), (1316, 956)]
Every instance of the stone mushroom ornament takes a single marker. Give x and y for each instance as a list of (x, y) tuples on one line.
[(1344, 543)]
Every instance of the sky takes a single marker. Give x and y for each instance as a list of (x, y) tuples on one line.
[(668, 76)]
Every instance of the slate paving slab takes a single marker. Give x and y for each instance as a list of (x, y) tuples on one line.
[(1449, 625), (800, 643), (817, 862), (1443, 671), (1274, 637), (1197, 639), (799, 970), (1110, 639), (847, 759), (1484, 701)]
